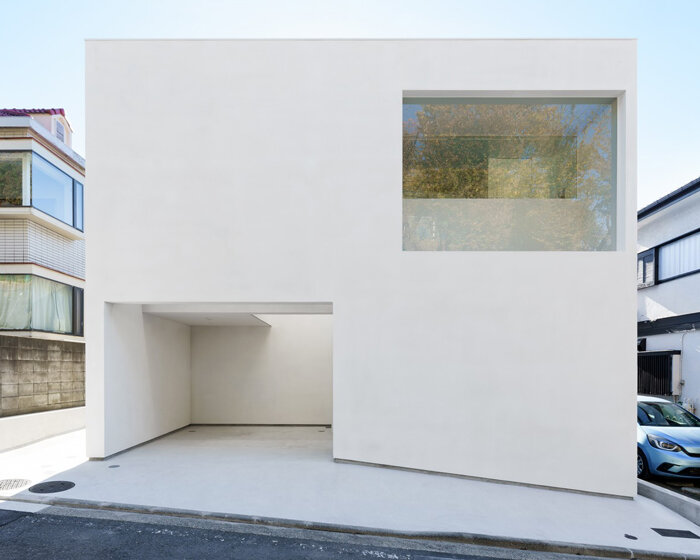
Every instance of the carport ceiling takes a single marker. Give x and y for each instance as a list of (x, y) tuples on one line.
[(214, 319), (231, 314)]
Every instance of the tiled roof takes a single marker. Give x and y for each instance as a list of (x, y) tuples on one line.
[(28, 112)]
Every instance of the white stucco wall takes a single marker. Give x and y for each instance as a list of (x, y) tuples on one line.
[(146, 376), (678, 296), (270, 171), (281, 374), (23, 429)]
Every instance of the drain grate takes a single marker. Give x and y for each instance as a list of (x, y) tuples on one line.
[(52, 487), (13, 483), (682, 534)]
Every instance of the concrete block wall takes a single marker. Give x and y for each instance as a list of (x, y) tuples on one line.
[(38, 375)]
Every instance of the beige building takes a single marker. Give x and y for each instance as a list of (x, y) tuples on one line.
[(42, 263)]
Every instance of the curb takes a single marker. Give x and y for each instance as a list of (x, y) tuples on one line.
[(453, 537), (682, 505)]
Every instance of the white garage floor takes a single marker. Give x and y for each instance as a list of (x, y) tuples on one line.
[(288, 473)]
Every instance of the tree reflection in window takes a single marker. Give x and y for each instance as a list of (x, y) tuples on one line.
[(476, 168)]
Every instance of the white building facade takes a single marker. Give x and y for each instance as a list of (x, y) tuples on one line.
[(668, 295), (413, 241)]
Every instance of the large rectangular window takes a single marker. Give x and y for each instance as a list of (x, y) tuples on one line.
[(27, 179), (680, 257), (30, 302), (52, 190), (12, 171), (509, 174)]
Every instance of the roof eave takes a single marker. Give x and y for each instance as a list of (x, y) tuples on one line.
[(671, 198)]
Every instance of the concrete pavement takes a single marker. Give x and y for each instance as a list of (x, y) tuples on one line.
[(287, 476)]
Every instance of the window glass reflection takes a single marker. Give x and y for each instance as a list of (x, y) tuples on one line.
[(78, 205), (52, 190), (485, 174), (11, 179)]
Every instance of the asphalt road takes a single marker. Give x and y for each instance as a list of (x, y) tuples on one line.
[(81, 535)]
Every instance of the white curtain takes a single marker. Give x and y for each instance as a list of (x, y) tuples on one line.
[(15, 302), (52, 308), (679, 257)]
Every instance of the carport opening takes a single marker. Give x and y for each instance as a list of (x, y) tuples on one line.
[(259, 372)]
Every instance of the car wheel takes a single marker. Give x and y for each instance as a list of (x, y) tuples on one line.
[(642, 466)]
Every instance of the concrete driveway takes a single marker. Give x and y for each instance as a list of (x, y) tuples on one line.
[(287, 473)]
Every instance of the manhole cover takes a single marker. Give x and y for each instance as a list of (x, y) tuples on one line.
[(13, 483), (51, 487)]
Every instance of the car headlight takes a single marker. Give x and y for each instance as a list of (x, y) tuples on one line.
[(661, 443)]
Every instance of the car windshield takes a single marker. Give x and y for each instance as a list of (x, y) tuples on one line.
[(665, 414)]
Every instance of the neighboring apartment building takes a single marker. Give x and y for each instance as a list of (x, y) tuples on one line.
[(42, 263), (412, 240), (668, 296)]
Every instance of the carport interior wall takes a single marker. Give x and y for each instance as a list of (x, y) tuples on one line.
[(264, 369)]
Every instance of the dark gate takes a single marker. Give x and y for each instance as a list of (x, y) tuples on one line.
[(655, 373)]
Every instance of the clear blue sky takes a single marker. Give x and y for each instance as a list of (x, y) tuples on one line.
[(42, 46)]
